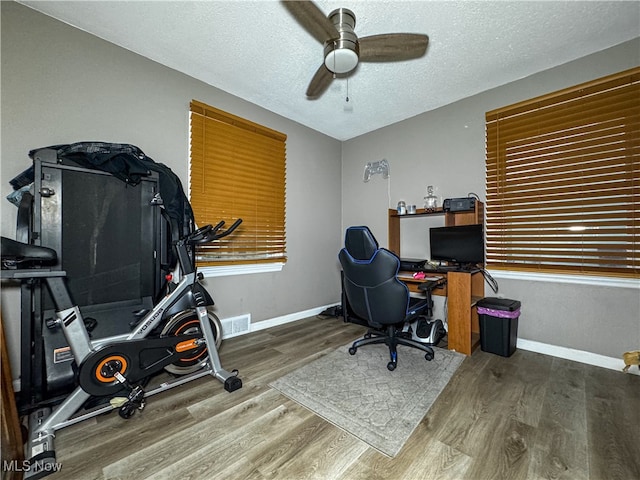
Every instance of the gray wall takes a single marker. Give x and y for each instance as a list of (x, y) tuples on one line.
[(445, 148), (61, 85)]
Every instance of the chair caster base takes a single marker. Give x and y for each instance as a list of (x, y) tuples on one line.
[(428, 356), (352, 351), (391, 366)]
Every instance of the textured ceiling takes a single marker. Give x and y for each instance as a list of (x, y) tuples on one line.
[(258, 52)]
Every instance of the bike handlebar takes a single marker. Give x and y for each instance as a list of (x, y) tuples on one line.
[(217, 227), (209, 233), (228, 230)]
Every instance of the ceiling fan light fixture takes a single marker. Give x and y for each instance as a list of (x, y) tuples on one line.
[(341, 54), (343, 50), (341, 60)]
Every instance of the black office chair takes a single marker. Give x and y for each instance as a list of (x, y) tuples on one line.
[(376, 295)]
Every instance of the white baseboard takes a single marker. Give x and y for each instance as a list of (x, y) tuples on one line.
[(576, 355), (291, 317)]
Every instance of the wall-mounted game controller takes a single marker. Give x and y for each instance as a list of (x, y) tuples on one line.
[(373, 168)]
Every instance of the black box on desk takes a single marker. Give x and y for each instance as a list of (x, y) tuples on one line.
[(498, 325)]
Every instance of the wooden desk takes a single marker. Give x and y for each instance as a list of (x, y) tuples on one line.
[(463, 290), (450, 219)]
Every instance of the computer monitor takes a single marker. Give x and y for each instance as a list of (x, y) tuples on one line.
[(461, 244)]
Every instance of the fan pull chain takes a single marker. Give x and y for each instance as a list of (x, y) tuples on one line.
[(335, 45), (348, 107)]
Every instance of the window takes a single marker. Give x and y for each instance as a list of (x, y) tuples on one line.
[(238, 170), (563, 180)]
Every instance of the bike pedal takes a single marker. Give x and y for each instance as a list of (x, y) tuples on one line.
[(127, 410), (51, 323), (137, 316), (90, 324)]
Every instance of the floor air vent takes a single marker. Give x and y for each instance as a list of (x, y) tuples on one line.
[(234, 326)]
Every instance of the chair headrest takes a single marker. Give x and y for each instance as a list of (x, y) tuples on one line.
[(360, 243)]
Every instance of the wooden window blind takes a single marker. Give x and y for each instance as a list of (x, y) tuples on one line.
[(238, 170), (563, 180)]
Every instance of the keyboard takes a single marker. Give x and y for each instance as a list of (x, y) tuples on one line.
[(440, 268)]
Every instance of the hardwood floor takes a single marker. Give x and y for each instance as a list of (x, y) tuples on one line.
[(529, 416)]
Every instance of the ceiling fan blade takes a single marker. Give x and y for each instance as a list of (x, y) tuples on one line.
[(312, 19), (320, 82), (392, 47)]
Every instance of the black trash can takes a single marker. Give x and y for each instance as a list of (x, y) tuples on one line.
[(498, 325)]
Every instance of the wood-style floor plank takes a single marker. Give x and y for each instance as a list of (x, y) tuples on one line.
[(163, 453), (219, 451), (560, 448), (324, 452), (613, 418), (529, 416)]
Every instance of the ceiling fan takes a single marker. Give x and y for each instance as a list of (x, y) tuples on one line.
[(342, 47)]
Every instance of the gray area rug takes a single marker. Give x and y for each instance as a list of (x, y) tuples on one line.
[(358, 394)]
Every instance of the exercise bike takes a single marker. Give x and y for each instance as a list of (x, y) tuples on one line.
[(179, 335)]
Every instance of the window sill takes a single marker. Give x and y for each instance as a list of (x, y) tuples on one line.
[(575, 279), (240, 269)]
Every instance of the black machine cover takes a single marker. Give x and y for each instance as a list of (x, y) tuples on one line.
[(129, 164)]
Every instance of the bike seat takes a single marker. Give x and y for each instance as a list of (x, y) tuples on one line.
[(14, 252)]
